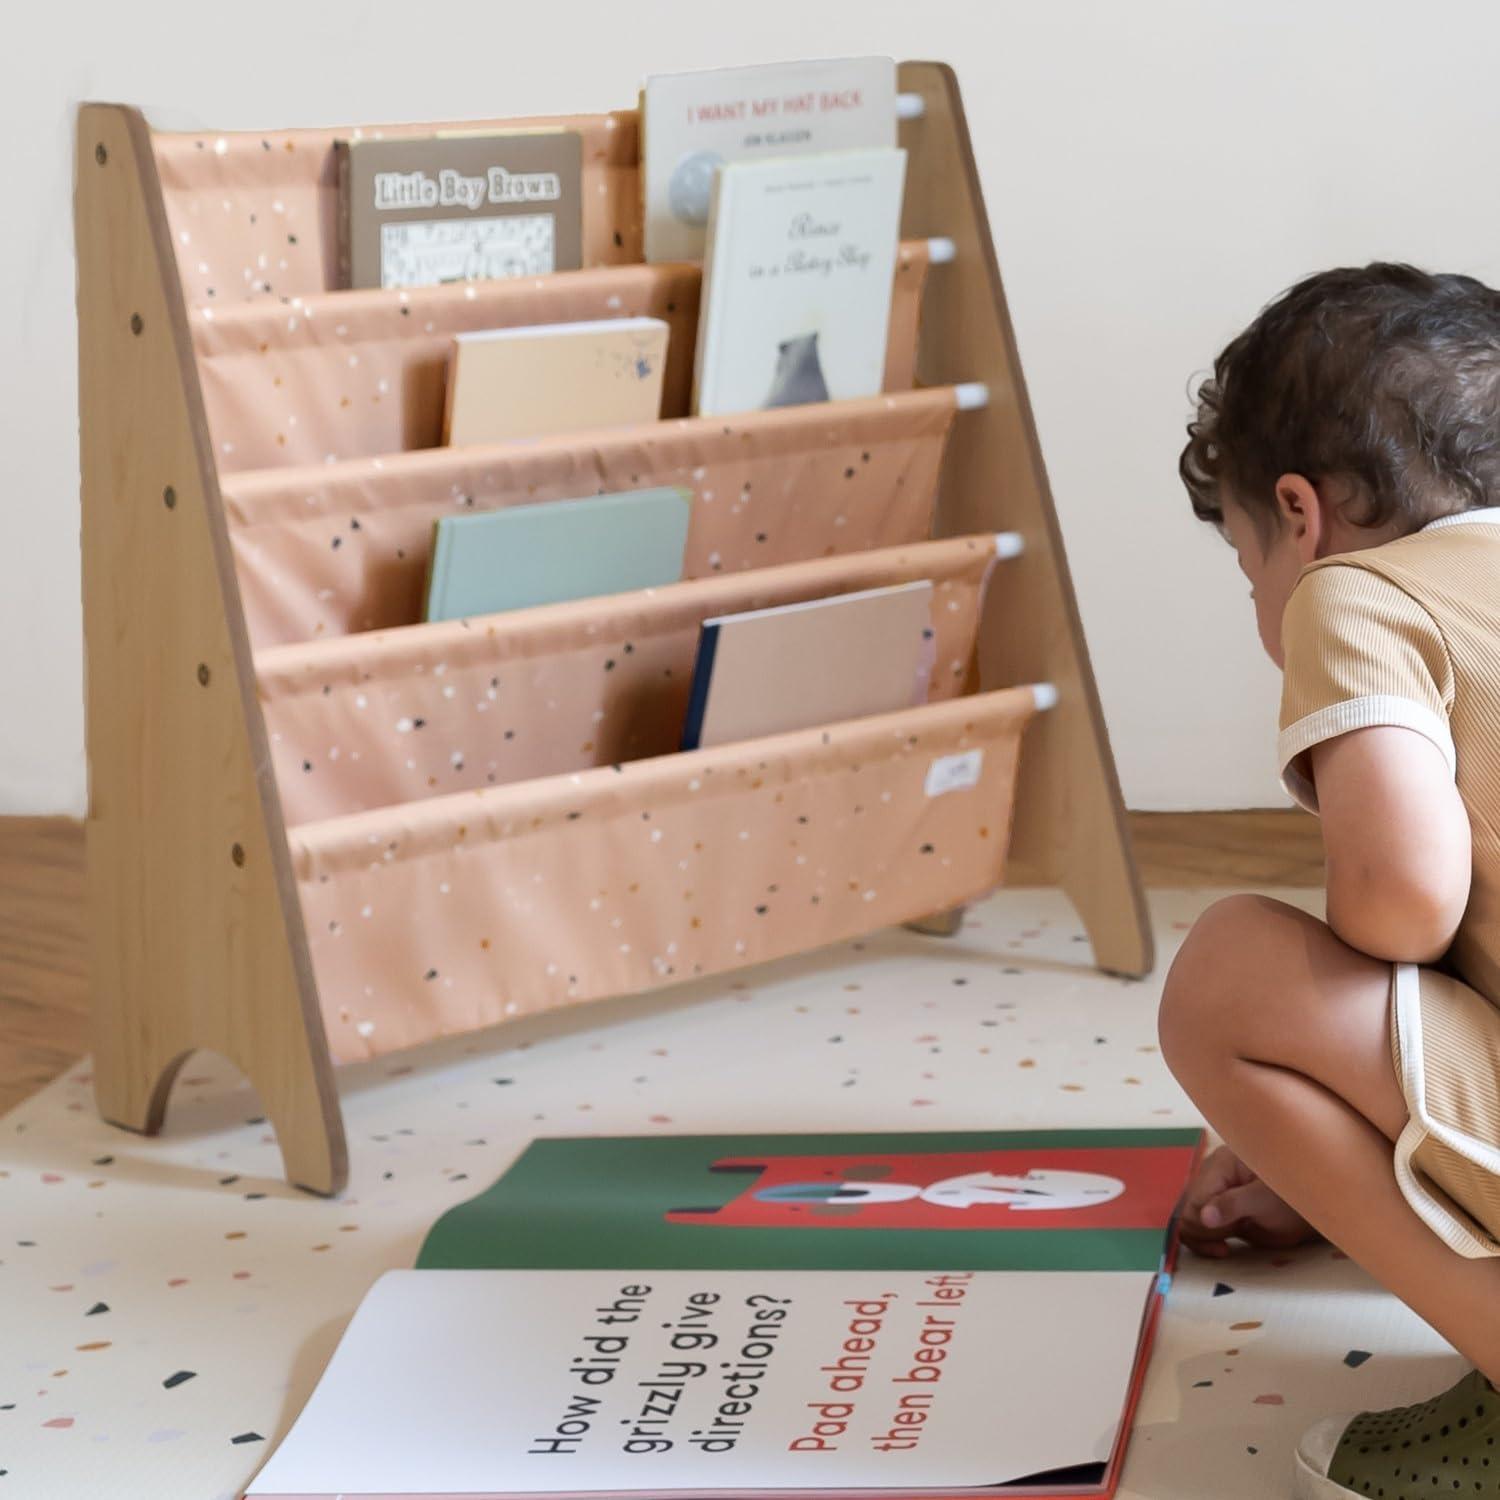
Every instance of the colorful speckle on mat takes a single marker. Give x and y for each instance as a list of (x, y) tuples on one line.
[(251, 1320)]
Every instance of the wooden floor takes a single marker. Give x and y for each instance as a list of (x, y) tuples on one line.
[(43, 1000)]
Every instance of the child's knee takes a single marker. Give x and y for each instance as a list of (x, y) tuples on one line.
[(1206, 977)]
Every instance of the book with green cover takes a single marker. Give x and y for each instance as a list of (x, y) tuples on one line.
[(524, 555), (798, 1315), (726, 1202)]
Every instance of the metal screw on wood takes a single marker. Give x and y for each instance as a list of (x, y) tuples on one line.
[(135, 323), (169, 498), (100, 154), (203, 673), (237, 854)]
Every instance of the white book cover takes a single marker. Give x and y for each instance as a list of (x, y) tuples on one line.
[(484, 1383), (695, 122), (797, 281)]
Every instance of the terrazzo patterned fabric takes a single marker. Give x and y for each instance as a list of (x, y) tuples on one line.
[(357, 374), (254, 217), (343, 547), (370, 720), (169, 1303), (432, 918)]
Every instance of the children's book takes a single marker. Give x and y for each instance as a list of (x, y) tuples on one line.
[(862, 1315), (526, 555), (769, 671), (516, 383), (692, 123), (797, 280), (459, 206)]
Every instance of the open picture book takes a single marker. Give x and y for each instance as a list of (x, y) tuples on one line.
[(934, 1314)]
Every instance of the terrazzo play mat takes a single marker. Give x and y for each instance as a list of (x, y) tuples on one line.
[(167, 1305)]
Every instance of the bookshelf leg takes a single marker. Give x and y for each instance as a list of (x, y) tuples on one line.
[(311, 1136), (1114, 916), (132, 1093), (940, 924)]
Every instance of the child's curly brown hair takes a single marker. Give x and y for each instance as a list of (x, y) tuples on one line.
[(1384, 376)]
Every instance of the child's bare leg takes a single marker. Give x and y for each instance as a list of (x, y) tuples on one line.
[(1280, 1032)]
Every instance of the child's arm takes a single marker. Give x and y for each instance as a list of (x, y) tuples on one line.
[(1365, 742), (1396, 838)]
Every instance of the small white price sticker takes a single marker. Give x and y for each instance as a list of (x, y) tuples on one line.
[(954, 773)]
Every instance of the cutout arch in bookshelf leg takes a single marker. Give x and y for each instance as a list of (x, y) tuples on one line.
[(1069, 825), (195, 929)]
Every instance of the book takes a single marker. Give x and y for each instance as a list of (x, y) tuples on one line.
[(459, 206), (692, 123), (508, 383), (797, 280), (524, 555), (790, 1314), (792, 666)]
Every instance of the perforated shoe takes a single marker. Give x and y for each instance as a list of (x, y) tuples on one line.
[(1436, 1450)]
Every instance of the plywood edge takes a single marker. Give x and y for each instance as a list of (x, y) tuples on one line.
[(1070, 826), (196, 929)]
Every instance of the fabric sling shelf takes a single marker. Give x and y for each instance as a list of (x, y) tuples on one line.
[(321, 829)]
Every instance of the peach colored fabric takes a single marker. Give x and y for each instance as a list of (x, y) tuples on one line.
[(362, 721), (254, 216), (350, 374), (359, 374), (338, 548), (441, 916)]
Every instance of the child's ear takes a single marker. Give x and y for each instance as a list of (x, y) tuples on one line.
[(1300, 510)]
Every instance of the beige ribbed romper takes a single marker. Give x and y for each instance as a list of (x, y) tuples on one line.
[(1408, 633)]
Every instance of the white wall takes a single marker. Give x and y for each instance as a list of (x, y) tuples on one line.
[(1155, 170)]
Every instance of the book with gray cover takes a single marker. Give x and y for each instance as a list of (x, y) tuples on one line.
[(459, 207), (557, 550)]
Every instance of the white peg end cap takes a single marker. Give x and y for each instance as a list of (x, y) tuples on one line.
[(910, 106), (1009, 544), (971, 395), (1045, 694), (940, 250)]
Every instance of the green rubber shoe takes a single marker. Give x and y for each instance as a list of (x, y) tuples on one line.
[(1436, 1450)]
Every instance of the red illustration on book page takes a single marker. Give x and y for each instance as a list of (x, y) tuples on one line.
[(1105, 1188)]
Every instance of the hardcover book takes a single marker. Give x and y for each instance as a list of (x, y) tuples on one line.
[(788, 1314), (459, 206), (768, 671), (510, 383), (692, 123), (797, 280), (527, 555)]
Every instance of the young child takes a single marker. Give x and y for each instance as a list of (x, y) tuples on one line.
[(1348, 447)]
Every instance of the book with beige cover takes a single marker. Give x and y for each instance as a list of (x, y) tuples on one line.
[(515, 383), (770, 671)]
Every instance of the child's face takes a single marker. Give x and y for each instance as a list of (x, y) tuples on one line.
[(1272, 569)]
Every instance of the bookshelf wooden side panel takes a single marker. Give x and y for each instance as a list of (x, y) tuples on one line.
[(1070, 826), (195, 929)]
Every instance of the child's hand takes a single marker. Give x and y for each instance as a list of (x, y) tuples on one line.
[(1227, 1200)]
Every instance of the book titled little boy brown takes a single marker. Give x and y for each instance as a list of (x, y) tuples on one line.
[(459, 207)]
